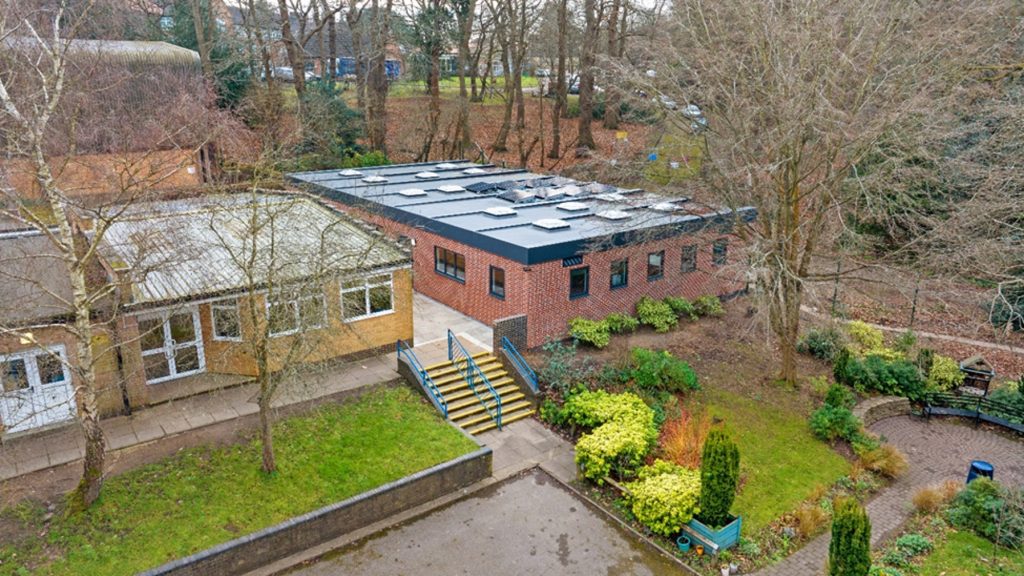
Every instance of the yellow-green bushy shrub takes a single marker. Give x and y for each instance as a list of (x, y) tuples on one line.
[(665, 497)]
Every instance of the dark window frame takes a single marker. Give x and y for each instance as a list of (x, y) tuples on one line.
[(660, 267), (585, 271), (688, 259), (720, 252), (491, 284), (624, 274), (447, 263)]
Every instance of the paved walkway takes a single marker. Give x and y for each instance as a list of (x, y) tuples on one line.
[(32, 453), (937, 450)]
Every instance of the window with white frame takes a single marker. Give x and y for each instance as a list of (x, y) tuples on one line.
[(366, 297), (296, 311), (226, 320), (33, 368)]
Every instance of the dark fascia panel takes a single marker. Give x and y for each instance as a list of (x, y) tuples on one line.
[(522, 254)]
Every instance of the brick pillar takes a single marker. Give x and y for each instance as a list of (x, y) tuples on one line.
[(513, 328)]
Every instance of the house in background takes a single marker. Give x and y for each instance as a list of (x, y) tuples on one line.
[(187, 273), (496, 243)]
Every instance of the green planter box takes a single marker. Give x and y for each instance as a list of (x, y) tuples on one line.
[(715, 540)]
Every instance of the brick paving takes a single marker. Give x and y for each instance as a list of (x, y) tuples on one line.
[(937, 450)]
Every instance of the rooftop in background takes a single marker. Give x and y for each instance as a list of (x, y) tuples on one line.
[(517, 214), (33, 279), (197, 247)]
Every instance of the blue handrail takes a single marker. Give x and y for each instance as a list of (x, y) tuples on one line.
[(465, 364), (520, 363), (403, 349)]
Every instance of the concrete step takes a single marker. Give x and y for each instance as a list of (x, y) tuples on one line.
[(474, 406), (505, 419), (491, 371), (482, 416), (503, 386)]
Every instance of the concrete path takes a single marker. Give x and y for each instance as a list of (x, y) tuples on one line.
[(937, 450), (431, 321), (31, 453)]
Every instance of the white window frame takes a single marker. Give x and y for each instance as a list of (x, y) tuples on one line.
[(32, 368), (297, 298), (164, 315), (230, 303), (33, 397), (365, 289)]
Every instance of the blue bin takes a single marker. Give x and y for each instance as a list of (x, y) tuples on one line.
[(980, 469)]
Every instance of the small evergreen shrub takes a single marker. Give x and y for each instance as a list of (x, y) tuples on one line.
[(656, 314), (874, 373), (924, 360), (990, 510), (623, 432), (719, 478), (619, 323), (665, 497), (944, 374), (682, 307), (708, 305), (840, 396), (905, 342), (824, 343), (593, 332), (563, 369), (865, 336), (849, 553), (914, 544), (830, 422), (551, 413), (660, 370)]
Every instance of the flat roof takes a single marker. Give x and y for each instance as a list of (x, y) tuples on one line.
[(520, 215)]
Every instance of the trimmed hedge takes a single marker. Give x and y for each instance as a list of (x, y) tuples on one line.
[(623, 432), (593, 332), (665, 497)]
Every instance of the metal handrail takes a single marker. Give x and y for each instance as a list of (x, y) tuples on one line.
[(520, 363), (465, 364), (980, 405), (403, 349)]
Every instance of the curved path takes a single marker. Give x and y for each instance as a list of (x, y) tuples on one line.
[(937, 450)]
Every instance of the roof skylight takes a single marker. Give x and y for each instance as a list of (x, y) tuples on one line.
[(426, 175), (446, 166), (500, 211), (611, 197), (572, 206), (350, 173), (451, 188), (410, 192), (551, 224), (613, 214), (375, 179), (474, 171)]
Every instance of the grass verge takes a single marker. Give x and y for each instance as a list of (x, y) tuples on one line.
[(205, 496), (966, 554)]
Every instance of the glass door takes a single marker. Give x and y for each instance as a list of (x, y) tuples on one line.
[(172, 344)]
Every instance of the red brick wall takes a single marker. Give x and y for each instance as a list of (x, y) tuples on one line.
[(541, 291)]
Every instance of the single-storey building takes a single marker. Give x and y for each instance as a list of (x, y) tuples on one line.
[(495, 243), (197, 282)]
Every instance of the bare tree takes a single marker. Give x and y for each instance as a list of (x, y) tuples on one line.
[(797, 93), (588, 59), (561, 90), (611, 108), (377, 77), (310, 23), (465, 10)]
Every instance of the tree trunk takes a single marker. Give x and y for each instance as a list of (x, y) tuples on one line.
[(611, 108), (501, 140), (434, 90), (465, 137), (294, 51), (202, 41), (586, 137), (267, 437), (352, 18), (332, 47), (560, 88), (376, 124)]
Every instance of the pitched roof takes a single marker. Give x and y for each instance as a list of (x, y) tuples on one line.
[(33, 281), (213, 245)]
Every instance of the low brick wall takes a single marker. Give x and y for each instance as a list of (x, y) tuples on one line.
[(881, 407), (270, 544)]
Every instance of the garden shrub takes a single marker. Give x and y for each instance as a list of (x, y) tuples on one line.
[(656, 314), (682, 307), (563, 369), (930, 498), (849, 552), (914, 544), (886, 459), (884, 571), (664, 404), (830, 422), (660, 370), (682, 438), (991, 511), (905, 342), (623, 432), (708, 305), (944, 374), (809, 519), (665, 497), (840, 396), (824, 343), (874, 373), (841, 364), (924, 360), (552, 413), (1013, 395), (719, 478), (619, 323), (865, 336), (593, 332)]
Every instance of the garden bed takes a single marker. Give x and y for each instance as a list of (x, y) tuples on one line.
[(205, 496)]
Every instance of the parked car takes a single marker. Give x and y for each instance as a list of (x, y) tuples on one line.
[(286, 74), (543, 73)]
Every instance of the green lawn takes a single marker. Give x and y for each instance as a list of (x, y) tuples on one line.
[(781, 462), (205, 496), (966, 554)]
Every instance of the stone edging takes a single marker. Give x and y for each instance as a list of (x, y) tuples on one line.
[(881, 407), (254, 550)]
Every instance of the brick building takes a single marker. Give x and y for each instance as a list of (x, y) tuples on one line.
[(494, 243), (194, 283)]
